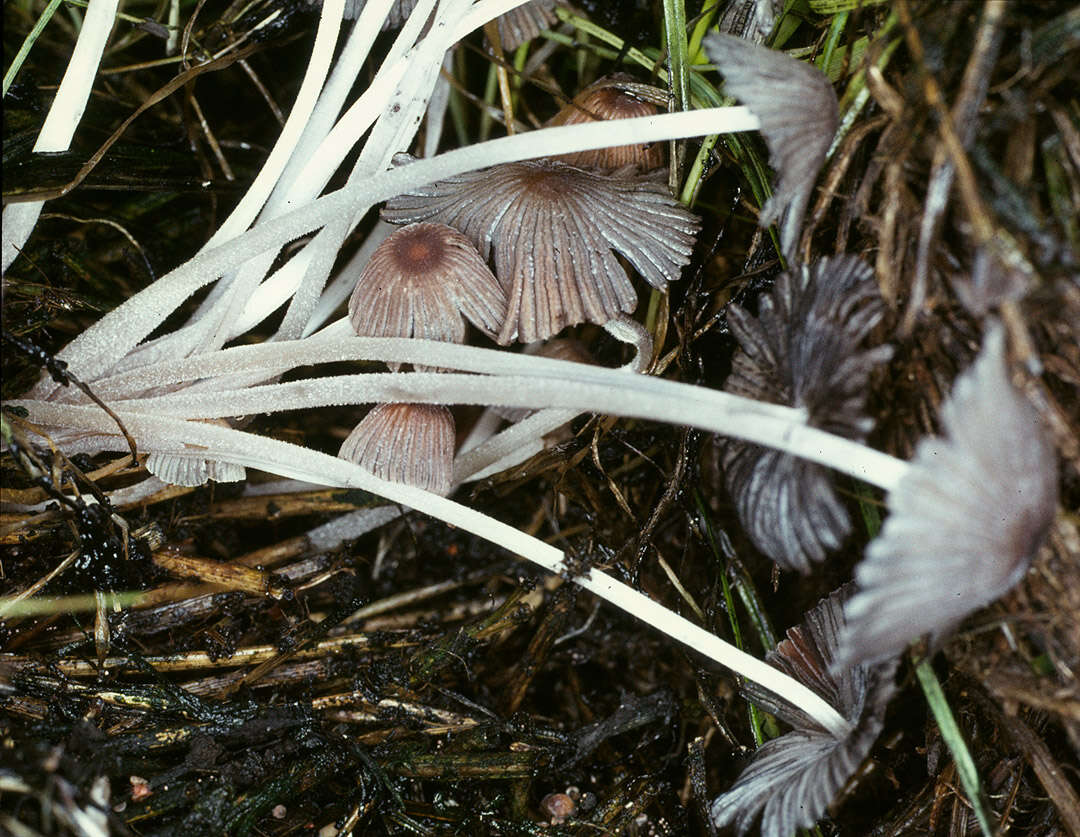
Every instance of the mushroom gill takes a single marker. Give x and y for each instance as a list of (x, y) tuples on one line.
[(965, 522), (408, 443), (791, 780), (802, 350)]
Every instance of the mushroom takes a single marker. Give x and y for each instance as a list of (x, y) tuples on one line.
[(613, 97), (792, 779), (964, 522), (799, 116), (553, 229), (803, 351), (410, 443), (420, 282)]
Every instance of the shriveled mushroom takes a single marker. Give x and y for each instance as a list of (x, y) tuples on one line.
[(964, 523), (792, 779), (799, 115), (554, 230), (617, 96), (803, 350)]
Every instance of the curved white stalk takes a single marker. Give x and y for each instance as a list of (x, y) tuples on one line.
[(310, 87), (301, 463), (511, 447), (574, 386), (99, 347), (331, 99), (240, 287), (63, 117), (394, 130)]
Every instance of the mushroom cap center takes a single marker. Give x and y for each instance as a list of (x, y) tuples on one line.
[(546, 184), (419, 250)]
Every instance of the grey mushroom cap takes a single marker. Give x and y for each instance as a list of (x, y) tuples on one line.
[(406, 443), (799, 115), (792, 779), (553, 231), (802, 350), (965, 522), (420, 282)]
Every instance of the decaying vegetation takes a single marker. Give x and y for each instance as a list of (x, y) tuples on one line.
[(248, 653)]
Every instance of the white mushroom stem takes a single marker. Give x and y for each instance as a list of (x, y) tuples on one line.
[(98, 348), (297, 462), (512, 380), (64, 115)]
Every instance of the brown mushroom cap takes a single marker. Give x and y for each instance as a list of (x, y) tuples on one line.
[(554, 230), (613, 97), (406, 443), (420, 281)]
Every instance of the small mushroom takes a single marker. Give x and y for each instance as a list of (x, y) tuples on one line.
[(191, 470), (420, 282), (408, 443), (613, 97), (792, 779), (966, 520), (554, 230), (802, 350), (799, 115)]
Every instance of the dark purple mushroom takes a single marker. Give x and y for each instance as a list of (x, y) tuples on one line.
[(802, 350)]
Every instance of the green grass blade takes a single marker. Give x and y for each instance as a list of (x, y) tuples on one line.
[(836, 31), (678, 51), (954, 740), (24, 50)]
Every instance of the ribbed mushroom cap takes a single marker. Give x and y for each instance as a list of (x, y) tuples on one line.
[(407, 443), (554, 230), (799, 116), (966, 520), (802, 350), (613, 97), (420, 281), (792, 779), (525, 22)]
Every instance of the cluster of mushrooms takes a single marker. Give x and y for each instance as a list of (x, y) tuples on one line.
[(805, 349), (984, 495), (552, 228)]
